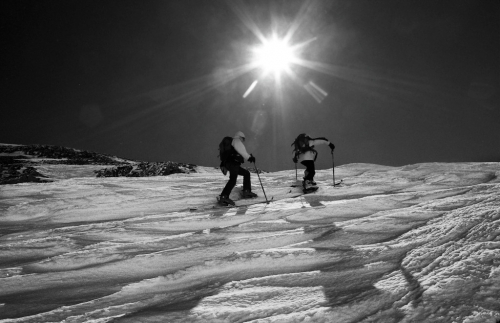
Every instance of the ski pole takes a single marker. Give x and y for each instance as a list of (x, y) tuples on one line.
[(295, 172), (257, 171), (333, 169)]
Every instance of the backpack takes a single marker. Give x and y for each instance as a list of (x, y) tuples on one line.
[(301, 145), (226, 149)]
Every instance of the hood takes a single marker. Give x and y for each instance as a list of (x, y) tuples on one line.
[(239, 134)]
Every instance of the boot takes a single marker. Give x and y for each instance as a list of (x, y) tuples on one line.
[(307, 184), (312, 182), (225, 200), (247, 194)]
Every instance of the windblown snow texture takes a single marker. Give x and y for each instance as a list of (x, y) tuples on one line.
[(419, 243)]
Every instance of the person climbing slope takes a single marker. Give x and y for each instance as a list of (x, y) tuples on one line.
[(305, 153), (233, 153)]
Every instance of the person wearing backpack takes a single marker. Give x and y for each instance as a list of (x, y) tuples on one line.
[(233, 153), (305, 153)]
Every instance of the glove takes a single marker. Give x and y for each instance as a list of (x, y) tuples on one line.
[(332, 146), (295, 160), (251, 159)]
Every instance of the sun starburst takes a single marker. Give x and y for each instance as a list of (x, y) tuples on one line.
[(274, 56)]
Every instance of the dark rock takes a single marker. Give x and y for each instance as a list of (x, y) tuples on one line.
[(145, 169), (20, 169)]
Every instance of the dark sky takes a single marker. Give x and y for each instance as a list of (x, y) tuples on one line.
[(407, 81)]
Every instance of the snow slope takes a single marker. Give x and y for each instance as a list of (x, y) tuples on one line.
[(419, 243)]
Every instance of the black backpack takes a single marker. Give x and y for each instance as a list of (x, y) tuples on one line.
[(226, 149), (227, 152), (301, 145)]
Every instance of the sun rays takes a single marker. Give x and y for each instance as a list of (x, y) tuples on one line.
[(277, 56)]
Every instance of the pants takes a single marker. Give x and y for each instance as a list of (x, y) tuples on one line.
[(234, 170), (310, 171)]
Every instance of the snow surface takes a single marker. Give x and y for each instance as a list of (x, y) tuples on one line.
[(419, 243)]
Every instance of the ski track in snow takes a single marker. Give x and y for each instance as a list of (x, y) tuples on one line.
[(419, 243)]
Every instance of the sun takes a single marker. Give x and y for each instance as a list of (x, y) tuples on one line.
[(274, 56), (280, 55)]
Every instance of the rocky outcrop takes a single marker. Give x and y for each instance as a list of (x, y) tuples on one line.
[(18, 163), (147, 169), (59, 155), (13, 174)]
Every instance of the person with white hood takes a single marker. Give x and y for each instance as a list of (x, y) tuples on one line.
[(232, 163)]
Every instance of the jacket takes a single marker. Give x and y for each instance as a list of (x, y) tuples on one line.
[(311, 154), (240, 148)]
